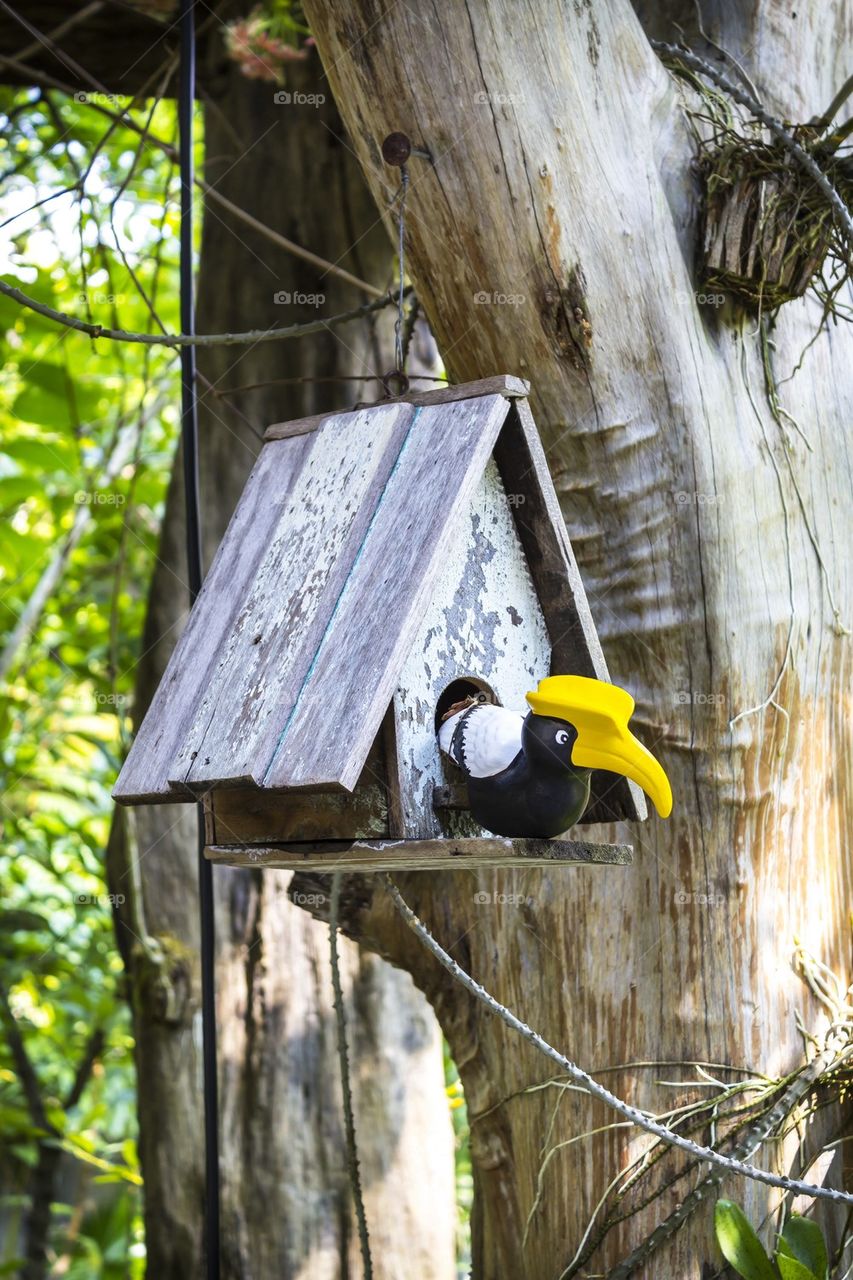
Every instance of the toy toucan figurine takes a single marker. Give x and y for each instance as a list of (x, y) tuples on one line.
[(529, 776)]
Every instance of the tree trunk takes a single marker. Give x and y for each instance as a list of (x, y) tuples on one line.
[(286, 1200), (42, 1191), (553, 236)]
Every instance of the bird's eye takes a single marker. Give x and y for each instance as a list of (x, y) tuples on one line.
[(562, 737)]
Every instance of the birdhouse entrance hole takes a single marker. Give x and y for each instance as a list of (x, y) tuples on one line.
[(459, 690)]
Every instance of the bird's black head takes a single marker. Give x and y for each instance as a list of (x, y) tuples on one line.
[(547, 742)]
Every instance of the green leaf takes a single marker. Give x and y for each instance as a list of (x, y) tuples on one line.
[(61, 402), (40, 289), (53, 398), (44, 454), (15, 490), (791, 1269), (740, 1246), (45, 396), (78, 1148), (802, 1239)]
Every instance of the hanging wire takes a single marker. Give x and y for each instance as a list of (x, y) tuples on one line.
[(346, 1085), (399, 357), (409, 333), (189, 442)]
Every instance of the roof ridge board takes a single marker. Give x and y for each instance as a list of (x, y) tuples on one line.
[(501, 384), (547, 546)]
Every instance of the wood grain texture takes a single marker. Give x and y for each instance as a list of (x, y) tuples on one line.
[(280, 620), (424, 855), (254, 816), (340, 706), (148, 768), (502, 384), (712, 541), (251, 816)]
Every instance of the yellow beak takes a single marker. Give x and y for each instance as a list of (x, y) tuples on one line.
[(600, 712)]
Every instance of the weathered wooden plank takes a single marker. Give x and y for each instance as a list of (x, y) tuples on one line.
[(253, 816), (425, 855), (393, 774), (285, 610), (502, 384), (358, 663), (299, 426), (241, 815), (575, 646), (148, 768)]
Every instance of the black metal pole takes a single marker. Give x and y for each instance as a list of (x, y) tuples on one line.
[(189, 418), (189, 441)]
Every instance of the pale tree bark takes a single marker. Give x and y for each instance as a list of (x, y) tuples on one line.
[(286, 1202), (712, 552)]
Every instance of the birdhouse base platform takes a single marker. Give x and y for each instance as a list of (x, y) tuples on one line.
[(422, 855)]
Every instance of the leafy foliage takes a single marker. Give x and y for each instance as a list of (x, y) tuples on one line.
[(462, 1160), (87, 432), (800, 1250)]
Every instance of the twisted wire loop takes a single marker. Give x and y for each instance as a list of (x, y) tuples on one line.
[(401, 261)]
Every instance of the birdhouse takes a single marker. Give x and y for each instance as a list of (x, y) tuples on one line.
[(383, 564)]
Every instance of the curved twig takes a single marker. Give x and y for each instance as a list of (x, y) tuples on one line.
[(250, 337)]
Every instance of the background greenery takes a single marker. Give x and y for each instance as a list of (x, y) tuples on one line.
[(89, 226), (88, 430)]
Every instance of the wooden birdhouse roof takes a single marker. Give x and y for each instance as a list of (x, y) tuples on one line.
[(294, 647)]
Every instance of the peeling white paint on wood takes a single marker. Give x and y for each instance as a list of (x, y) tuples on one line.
[(485, 620)]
